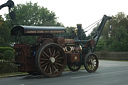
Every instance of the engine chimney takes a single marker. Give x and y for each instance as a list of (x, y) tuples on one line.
[(79, 27)]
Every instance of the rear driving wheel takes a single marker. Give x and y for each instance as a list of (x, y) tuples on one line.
[(91, 63), (51, 60)]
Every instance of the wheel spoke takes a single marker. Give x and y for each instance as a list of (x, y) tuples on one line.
[(45, 64), (45, 68), (46, 54), (56, 56), (55, 69), (50, 70), (50, 51), (54, 51), (58, 64), (42, 55), (44, 59), (42, 62)]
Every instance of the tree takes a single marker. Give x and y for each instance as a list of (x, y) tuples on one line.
[(119, 42), (101, 45), (32, 14), (4, 33)]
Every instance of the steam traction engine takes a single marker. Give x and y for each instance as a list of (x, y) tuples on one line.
[(50, 55)]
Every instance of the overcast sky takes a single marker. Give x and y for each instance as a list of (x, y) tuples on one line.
[(72, 12)]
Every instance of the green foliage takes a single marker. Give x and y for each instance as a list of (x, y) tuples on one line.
[(4, 33), (83, 35), (119, 41), (32, 14), (101, 45), (1, 39), (1, 55), (7, 67), (70, 32), (3, 49), (8, 55)]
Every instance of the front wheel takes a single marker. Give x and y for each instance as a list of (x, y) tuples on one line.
[(91, 63)]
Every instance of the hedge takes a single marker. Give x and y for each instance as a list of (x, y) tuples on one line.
[(7, 67), (3, 49)]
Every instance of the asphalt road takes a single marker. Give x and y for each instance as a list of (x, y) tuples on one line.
[(108, 73)]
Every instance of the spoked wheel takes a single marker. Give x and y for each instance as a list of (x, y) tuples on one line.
[(91, 63), (51, 60), (74, 66)]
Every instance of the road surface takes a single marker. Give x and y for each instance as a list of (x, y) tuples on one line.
[(108, 73)]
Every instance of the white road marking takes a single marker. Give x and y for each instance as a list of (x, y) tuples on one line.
[(21, 84), (115, 72)]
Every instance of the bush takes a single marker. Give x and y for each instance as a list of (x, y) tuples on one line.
[(1, 55), (7, 67), (8, 55), (3, 49)]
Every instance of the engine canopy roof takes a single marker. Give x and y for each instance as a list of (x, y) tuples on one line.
[(36, 30)]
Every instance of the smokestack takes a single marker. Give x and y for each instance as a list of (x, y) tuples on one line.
[(79, 27)]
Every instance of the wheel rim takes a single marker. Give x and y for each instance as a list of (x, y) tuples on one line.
[(74, 66), (91, 63), (51, 60)]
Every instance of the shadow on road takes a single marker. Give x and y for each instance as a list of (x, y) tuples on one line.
[(34, 77), (64, 74)]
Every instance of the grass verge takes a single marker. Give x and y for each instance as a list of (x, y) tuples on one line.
[(12, 74)]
